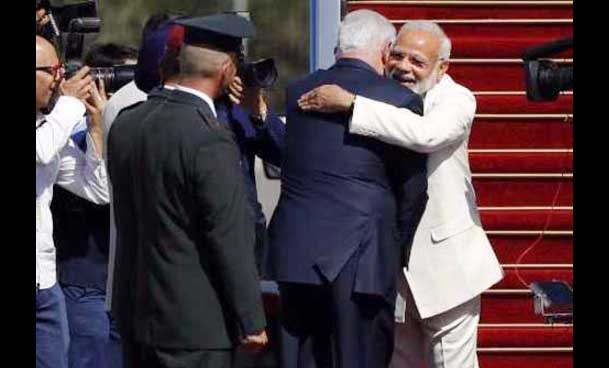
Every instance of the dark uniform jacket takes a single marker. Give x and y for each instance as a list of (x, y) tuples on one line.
[(341, 194), (184, 275)]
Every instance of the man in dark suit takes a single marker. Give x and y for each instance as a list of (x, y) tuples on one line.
[(347, 210), (186, 292)]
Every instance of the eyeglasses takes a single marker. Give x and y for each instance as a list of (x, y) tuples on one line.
[(52, 70)]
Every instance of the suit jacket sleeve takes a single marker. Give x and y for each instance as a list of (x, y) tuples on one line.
[(227, 225), (266, 140), (447, 121), (270, 139)]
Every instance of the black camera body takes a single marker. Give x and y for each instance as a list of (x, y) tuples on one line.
[(114, 77), (76, 24), (260, 74), (545, 79)]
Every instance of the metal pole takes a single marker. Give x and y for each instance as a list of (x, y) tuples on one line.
[(325, 18)]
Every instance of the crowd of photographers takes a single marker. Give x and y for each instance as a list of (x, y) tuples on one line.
[(76, 236)]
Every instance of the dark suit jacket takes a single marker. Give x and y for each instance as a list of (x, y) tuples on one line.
[(184, 275), (265, 141), (341, 194)]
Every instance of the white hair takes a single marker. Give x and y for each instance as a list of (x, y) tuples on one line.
[(433, 28), (364, 30)]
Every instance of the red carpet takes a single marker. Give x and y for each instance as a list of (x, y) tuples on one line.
[(529, 162), (521, 133), (519, 153), (523, 191), (468, 72), (535, 219), (514, 103), (552, 249), (465, 10)]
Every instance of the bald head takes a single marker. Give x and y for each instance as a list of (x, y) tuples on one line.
[(45, 52), (46, 81)]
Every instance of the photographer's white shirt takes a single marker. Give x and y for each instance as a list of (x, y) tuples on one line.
[(60, 161)]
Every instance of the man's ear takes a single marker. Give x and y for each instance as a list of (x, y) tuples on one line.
[(444, 64), (386, 52)]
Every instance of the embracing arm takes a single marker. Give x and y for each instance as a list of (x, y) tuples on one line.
[(446, 122)]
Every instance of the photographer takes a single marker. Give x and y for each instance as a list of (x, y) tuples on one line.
[(59, 161), (81, 236)]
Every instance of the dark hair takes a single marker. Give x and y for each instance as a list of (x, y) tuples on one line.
[(109, 54)]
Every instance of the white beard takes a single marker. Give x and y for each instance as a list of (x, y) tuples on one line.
[(421, 87)]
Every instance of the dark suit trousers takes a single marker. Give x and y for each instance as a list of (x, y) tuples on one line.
[(136, 355), (329, 326)]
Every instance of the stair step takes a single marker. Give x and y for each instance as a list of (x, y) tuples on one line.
[(547, 133), (533, 162), (556, 249), (498, 47), (517, 103), (509, 42), (508, 307), (495, 191), (531, 273), (525, 335), (492, 74), (527, 219), (467, 9), (526, 358), (486, 30)]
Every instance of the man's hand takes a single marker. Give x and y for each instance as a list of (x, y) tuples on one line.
[(327, 98), (78, 86), (95, 105), (252, 99), (254, 343)]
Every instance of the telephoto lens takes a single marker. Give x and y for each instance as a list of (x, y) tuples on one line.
[(114, 77), (261, 73)]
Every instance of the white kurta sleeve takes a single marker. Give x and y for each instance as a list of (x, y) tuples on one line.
[(52, 136), (447, 121), (84, 174)]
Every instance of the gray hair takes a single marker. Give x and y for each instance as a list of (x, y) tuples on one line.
[(433, 28), (198, 61), (364, 30)]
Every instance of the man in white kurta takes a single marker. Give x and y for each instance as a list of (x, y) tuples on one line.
[(451, 261)]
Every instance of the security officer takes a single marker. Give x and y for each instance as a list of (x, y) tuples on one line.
[(186, 291)]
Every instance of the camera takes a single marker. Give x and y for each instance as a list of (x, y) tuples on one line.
[(260, 74), (545, 79), (114, 77), (74, 23)]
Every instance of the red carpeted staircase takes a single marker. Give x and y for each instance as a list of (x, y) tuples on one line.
[(521, 155)]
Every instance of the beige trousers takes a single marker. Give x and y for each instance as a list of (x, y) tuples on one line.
[(446, 340)]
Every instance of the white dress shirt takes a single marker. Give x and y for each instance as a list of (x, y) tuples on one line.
[(60, 161), (126, 96), (201, 95)]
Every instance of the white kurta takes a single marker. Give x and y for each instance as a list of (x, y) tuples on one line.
[(451, 260)]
